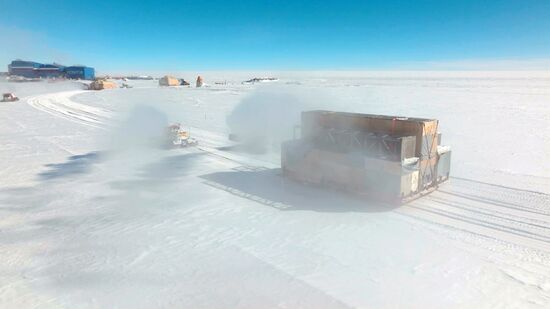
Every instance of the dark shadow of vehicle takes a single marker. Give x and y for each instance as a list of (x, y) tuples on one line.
[(75, 165), (159, 174), (270, 188)]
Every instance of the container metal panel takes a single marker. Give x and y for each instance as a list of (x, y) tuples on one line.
[(313, 121), (444, 166)]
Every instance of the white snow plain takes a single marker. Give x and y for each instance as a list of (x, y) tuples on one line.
[(93, 216)]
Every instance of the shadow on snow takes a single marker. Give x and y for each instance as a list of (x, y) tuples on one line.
[(268, 187), (75, 165)]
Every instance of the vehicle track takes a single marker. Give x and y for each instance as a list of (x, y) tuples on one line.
[(496, 214), (60, 105), (506, 214)]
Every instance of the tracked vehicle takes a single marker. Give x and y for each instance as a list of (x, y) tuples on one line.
[(177, 137)]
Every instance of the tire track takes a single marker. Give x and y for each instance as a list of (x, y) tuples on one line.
[(494, 214), (495, 202), (60, 105), (478, 227), (488, 211)]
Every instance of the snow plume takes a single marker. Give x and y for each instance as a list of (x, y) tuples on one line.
[(271, 115), (136, 141), (142, 128)]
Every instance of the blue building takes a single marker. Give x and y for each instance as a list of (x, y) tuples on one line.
[(31, 69), (79, 72), (23, 68), (50, 71)]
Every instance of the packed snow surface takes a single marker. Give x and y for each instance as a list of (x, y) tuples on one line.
[(95, 215)]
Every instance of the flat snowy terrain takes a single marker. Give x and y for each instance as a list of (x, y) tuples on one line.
[(93, 216)]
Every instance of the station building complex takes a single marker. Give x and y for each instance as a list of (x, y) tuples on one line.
[(31, 69)]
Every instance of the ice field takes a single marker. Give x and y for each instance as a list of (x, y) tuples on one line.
[(92, 216)]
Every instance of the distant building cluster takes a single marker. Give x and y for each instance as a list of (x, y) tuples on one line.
[(31, 69)]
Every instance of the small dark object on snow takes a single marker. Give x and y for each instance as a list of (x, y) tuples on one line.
[(9, 97)]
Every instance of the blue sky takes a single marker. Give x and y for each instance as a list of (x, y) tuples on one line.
[(276, 35)]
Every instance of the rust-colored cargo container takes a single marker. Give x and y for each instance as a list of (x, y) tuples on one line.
[(425, 130), (169, 81), (388, 157), (101, 84)]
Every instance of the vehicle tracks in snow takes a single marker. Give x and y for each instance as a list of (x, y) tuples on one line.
[(60, 105), (514, 216)]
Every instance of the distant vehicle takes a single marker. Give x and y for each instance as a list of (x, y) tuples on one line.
[(124, 85), (9, 97), (177, 137), (260, 80)]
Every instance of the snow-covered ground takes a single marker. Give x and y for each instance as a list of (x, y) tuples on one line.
[(93, 217)]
